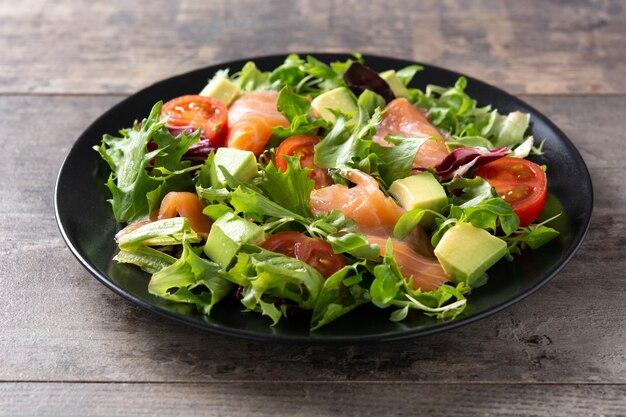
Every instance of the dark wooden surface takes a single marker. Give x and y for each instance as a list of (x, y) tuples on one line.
[(71, 347)]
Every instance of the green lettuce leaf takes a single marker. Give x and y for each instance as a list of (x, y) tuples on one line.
[(136, 187), (269, 278), (344, 146), (292, 188), (148, 259), (193, 280), (159, 233), (391, 289), (355, 244), (340, 294), (395, 162)]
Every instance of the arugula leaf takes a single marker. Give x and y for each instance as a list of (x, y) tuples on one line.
[(191, 279), (370, 101), (331, 223), (533, 236), (410, 219), (455, 111), (387, 279), (296, 109), (488, 214), (492, 214), (344, 146), (215, 211), (356, 244), (290, 73), (395, 162), (473, 191), (390, 288), (340, 294), (406, 74), (250, 78)]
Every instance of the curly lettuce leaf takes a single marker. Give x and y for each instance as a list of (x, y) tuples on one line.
[(344, 147), (269, 278), (136, 186), (340, 294), (292, 188), (193, 280)]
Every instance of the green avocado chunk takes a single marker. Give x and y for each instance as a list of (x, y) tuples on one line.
[(399, 90), (420, 191), (227, 235), (337, 99), (222, 89), (466, 252), (240, 164)]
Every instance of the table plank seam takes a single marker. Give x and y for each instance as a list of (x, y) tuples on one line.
[(323, 382)]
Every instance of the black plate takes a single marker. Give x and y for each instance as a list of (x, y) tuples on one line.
[(87, 225)]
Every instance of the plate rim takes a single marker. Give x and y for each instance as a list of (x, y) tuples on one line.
[(577, 239)]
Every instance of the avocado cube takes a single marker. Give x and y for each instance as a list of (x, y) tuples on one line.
[(466, 252), (397, 87), (420, 191), (227, 235), (222, 89), (337, 99), (240, 164)]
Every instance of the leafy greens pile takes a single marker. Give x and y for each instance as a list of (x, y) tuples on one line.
[(273, 284)]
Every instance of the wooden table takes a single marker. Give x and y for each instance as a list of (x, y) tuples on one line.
[(71, 347)]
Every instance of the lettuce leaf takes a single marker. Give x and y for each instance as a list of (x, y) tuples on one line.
[(291, 188), (269, 278), (340, 294), (391, 289), (454, 110), (135, 185), (193, 280)]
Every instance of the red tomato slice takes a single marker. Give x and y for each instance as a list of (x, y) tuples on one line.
[(520, 183), (199, 112), (303, 145), (315, 252)]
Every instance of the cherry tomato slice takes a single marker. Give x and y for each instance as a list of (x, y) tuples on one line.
[(519, 182), (198, 112), (315, 252), (303, 146)]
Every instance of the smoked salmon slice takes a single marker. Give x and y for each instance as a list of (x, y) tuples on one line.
[(251, 119), (187, 205), (427, 273), (403, 118), (365, 203)]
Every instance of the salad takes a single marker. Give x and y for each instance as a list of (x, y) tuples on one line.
[(320, 187)]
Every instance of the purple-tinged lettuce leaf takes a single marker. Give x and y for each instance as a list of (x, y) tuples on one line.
[(460, 161), (360, 78)]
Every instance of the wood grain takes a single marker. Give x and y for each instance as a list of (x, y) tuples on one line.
[(119, 46), (311, 399), (60, 324), (71, 347)]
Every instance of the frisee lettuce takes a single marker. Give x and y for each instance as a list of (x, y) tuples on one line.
[(137, 187)]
